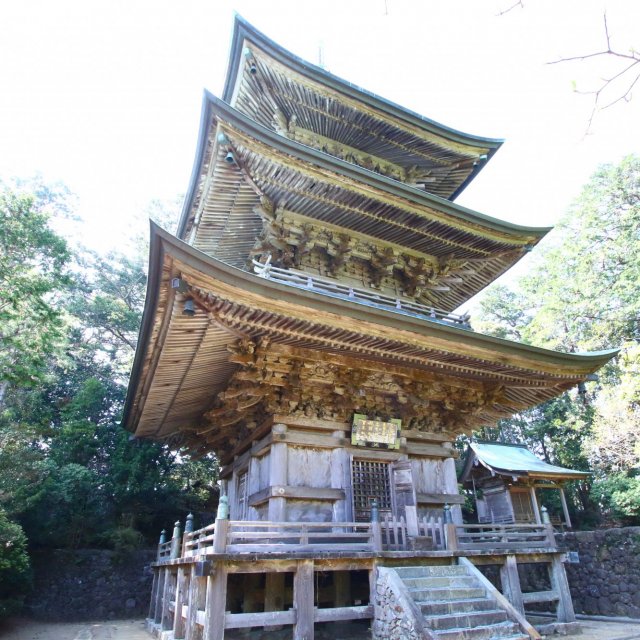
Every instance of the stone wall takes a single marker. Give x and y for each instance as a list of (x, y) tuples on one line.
[(606, 581), (90, 585), (396, 616)]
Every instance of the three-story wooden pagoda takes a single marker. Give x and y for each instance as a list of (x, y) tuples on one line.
[(301, 326)]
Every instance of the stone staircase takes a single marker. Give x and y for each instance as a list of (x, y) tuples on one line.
[(455, 606)]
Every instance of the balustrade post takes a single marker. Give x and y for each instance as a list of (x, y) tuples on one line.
[(175, 540), (450, 531), (188, 528), (222, 526), (376, 529), (163, 539)]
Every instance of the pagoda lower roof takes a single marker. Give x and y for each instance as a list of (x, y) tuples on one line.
[(183, 362), (221, 219), (263, 77)]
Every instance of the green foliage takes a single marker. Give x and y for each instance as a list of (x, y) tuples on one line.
[(582, 294), (69, 473), (619, 495), (33, 274), (15, 573)]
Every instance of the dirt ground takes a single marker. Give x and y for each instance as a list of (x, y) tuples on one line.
[(21, 629)]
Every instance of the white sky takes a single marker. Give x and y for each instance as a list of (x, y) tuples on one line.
[(106, 95)]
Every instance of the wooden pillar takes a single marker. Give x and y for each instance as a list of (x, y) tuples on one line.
[(274, 595), (534, 504), (215, 604), (162, 577), (511, 583), (303, 601), (278, 474), (181, 598), (197, 588), (250, 587), (341, 588), (340, 480), (560, 585), (565, 509), (166, 622), (154, 593)]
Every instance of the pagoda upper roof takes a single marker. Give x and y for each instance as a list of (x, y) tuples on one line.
[(184, 362), (220, 213), (278, 89)]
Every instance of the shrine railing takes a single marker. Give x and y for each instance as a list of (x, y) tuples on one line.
[(390, 534), (499, 536), (363, 296)]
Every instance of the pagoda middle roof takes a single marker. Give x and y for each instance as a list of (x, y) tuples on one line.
[(338, 110), (223, 196)]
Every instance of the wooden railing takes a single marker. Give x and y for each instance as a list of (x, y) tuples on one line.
[(164, 551), (433, 528), (198, 542), (356, 294), (499, 536), (243, 536)]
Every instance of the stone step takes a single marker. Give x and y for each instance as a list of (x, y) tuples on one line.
[(502, 631), (443, 593), (453, 606), (440, 570), (462, 619), (430, 582)]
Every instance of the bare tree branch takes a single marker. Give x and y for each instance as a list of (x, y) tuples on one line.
[(606, 83), (519, 3)]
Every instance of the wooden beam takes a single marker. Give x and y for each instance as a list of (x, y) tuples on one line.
[(301, 493), (265, 619), (440, 498)]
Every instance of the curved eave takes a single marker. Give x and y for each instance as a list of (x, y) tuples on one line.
[(214, 106), (471, 456), (244, 31)]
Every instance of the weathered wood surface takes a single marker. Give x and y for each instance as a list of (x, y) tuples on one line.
[(303, 593)]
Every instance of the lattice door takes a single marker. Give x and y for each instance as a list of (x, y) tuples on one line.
[(370, 479), (242, 494)]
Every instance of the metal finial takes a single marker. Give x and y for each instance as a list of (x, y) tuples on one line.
[(188, 525), (375, 516), (223, 508), (447, 514)]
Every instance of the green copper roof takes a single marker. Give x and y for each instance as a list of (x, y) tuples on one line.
[(519, 460)]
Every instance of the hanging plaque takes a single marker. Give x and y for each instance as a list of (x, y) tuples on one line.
[(375, 433)]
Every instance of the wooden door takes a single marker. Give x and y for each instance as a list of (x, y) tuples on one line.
[(370, 479)]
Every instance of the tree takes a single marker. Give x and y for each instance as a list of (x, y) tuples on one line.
[(33, 274), (14, 566), (582, 295)]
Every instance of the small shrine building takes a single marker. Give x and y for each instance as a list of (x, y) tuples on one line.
[(506, 480), (302, 326)]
